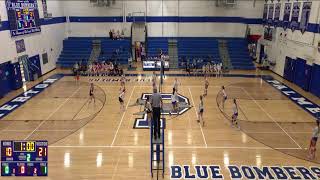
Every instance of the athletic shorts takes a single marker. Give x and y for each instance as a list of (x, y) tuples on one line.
[(174, 102), (225, 98), (120, 100), (201, 110), (235, 114)]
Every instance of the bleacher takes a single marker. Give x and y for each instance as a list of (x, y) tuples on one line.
[(239, 55), (78, 49), (74, 50), (199, 51), (115, 50), (156, 43)]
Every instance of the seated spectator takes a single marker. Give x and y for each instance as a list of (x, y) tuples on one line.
[(114, 36), (110, 34), (118, 34), (122, 34)]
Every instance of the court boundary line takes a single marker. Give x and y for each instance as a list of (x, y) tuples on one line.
[(174, 147), (115, 136), (204, 138), (271, 117), (52, 113)]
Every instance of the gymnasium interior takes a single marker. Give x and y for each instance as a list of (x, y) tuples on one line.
[(238, 82)]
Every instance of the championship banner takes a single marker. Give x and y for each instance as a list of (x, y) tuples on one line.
[(276, 17), (286, 15), (270, 14), (265, 14), (295, 16), (305, 14)]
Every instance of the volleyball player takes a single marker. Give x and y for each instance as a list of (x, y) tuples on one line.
[(174, 101), (148, 109), (220, 69), (121, 98), (123, 80), (313, 142), (200, 112), (154, 82), (225, 97), (91, 94), (176, 84), (206, 86), (234, 120), (76, 70)]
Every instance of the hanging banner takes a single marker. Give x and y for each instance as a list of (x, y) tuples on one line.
[(265, 14), (270, 14), (294, 25), (286, 15), (305, 14), (276, 18)]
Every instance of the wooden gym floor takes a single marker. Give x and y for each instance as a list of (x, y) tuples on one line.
[(98, 141)]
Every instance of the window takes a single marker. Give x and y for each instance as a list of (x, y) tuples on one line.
[(45, 58)]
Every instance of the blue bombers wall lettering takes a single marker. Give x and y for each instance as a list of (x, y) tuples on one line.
[(243, 172)]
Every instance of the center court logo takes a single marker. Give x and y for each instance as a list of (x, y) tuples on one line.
[(244, 172), (142, 123)]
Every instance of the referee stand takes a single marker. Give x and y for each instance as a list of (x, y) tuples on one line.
[(157, 152), (157, 162)]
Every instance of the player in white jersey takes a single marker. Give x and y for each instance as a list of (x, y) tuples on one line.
[(220, 69), (148, 110), (225, 97), (176, 84), (234, 120), (174, 101), (123, 80), (200, 111)]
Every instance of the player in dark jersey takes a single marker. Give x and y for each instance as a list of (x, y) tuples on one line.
[(91, 94), (122, 91), (206, 86), (234, 120)]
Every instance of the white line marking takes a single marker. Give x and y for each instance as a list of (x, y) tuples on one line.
[(178, 147), (43, 130), (115, 136), (195, 111), (270, 117), (52, 113), (116, 167), (261, 132)]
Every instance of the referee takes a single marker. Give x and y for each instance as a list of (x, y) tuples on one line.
[(156, 103)]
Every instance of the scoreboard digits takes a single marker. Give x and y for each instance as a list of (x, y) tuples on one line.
[(24, 158)]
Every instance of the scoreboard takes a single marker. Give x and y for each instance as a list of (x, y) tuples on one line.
[(23, 16), (24, 158)]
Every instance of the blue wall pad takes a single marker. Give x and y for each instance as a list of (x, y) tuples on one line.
[(5, 78), (16, 78), (299, 74), (315, 80)]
